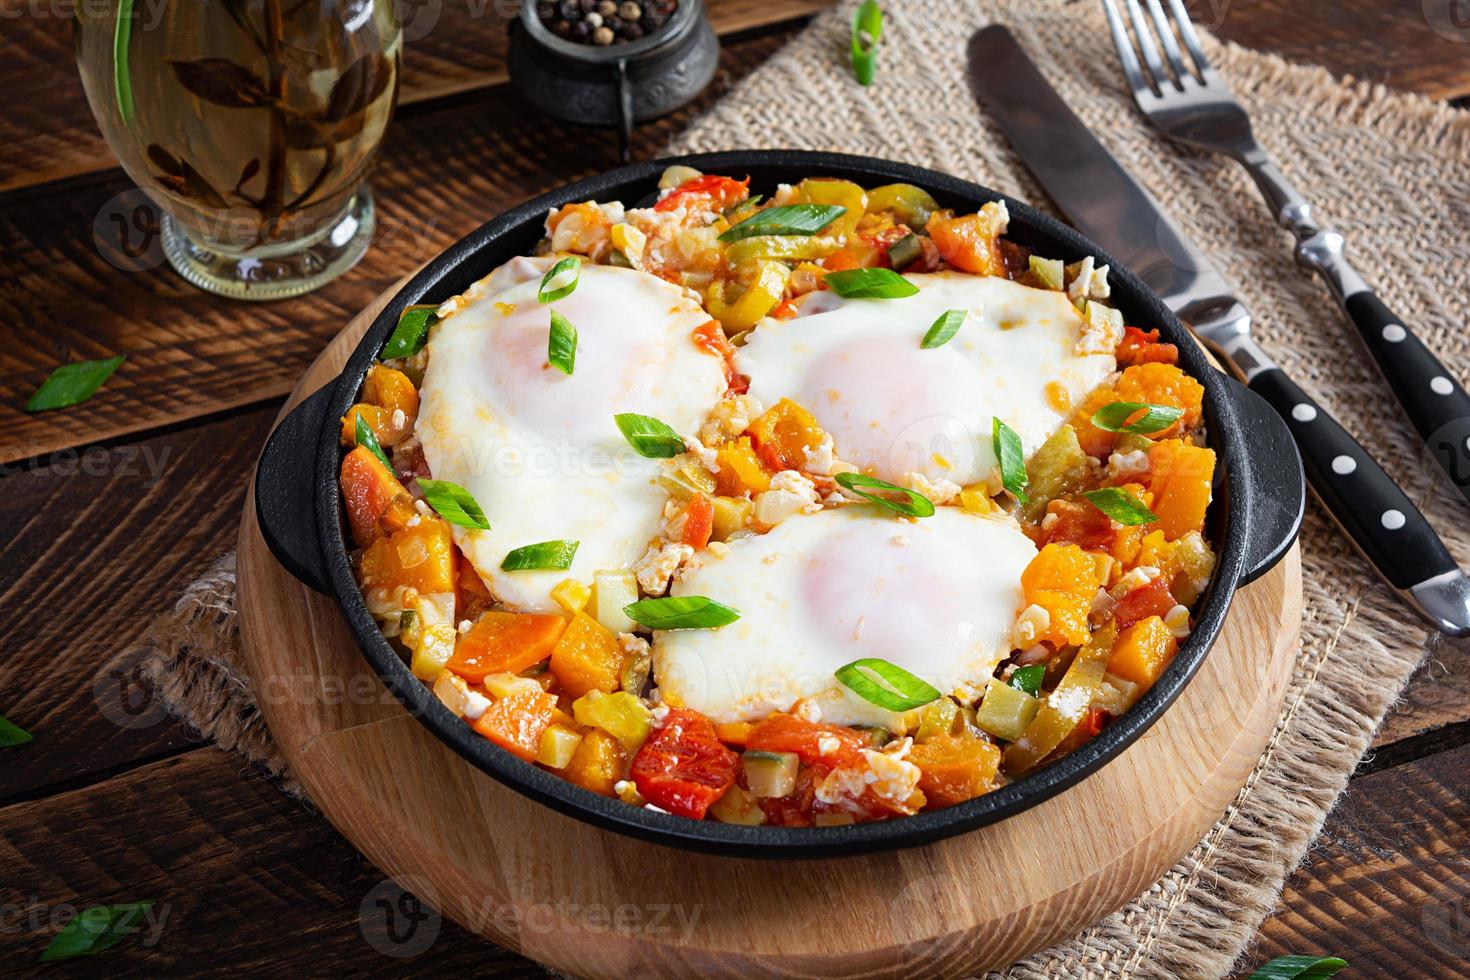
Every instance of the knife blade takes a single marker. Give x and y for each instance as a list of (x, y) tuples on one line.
[(1107, 204)]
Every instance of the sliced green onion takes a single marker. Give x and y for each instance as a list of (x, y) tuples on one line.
[(899, 690), (870, 284), (409, 336), (905, 252), (685, 612), (1028, 679), (1299, 968), (749, 202), (72, 384), (917, 505), (12, 734), (364, 437), (556, 555), (560, 280), (786, 219), (648, 436), (96, 929), (454, 503), (942, 329), (1011, 457), (1114, 417), (867, 28), (561, 346), (122, 80), (1121, 506)]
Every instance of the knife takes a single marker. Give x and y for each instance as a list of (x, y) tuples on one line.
[(1110, 207)]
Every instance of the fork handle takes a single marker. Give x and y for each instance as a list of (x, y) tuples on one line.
[(1376, 515), (1431, 396)]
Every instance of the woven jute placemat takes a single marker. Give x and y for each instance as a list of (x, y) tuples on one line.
[(1388, 169)]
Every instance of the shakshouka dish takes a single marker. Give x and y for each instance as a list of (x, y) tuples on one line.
[(824, 508)]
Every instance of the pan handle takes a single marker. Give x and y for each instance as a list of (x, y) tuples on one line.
[(285, 499), (1272, 486)]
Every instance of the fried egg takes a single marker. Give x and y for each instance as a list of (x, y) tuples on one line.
[(894, 408), (937, 596), (538, 449)]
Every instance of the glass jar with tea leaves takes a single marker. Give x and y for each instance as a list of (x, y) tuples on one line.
[(252, 124)]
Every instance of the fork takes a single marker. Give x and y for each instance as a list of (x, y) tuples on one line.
[(1189, 102)]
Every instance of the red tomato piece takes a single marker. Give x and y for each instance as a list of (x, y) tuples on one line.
[(699, 521), (711, 337), (682, 767), (1080, 524), (1153, 599), (717, 192), (788, 733), (1140, 347)]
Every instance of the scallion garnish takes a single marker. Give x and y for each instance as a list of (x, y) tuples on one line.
[(870, 284), (785, 219), (412, 332), (12, 734), (648, 436), (684, 612), (72, 384), (364, 437), (454, 503), (899, 690), (96, 929), (1114, 417), (1028, 679), (556, 555), (560, 280), (942, 329), (1121, 506), (1011, 457), (561, 346), (917, 505), (867, 28), (122, 79), (1299, 968)]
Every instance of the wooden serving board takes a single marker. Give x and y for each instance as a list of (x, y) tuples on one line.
[(597, 904)]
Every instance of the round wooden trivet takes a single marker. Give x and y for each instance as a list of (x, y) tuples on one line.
[(597, 904)]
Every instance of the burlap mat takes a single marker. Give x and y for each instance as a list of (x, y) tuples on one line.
[(1388, 169)]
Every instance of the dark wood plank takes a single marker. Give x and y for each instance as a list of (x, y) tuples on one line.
[(451, 47), (93, 545), (244, 877), (1419, 47), (1437, 698), (1387, 886), (191, 354)]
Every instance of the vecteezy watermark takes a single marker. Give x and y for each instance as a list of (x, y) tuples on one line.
[(1445, 917), (399, 919), (1445, 458), (123, 696), (97, 461), (36, 916), (1450, 19)]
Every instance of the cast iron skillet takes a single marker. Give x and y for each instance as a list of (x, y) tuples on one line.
[(1255, 517)]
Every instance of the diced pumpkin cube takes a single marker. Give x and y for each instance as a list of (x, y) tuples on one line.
[(377, 419), (1163, 384), (1063, 580), (419, 557), (783, 433), (1143, 651), (741, 472), (598, 764), (386, 392), (587, 657), (971, 242), (734, 732), (1180, 475), (505, 642), (376, 502), (516, 723), (955, 768)]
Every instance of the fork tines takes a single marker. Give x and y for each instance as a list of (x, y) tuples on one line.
[(1157, 79)]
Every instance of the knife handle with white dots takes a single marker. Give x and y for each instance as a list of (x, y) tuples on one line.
[(1431, 396), (1371, 509)]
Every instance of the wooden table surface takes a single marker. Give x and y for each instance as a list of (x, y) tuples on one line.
[(108, 511)]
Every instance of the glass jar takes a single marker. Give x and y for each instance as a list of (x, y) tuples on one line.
[(252, 124)]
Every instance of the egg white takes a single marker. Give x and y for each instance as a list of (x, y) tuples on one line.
[(893, 407), (937, 596), (538, 449)]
